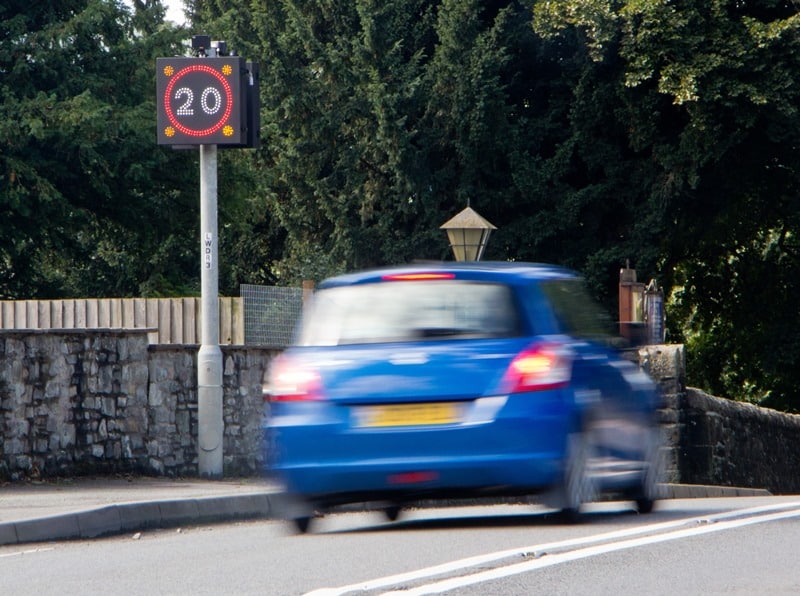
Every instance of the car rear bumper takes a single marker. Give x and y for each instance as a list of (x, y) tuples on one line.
[(515, 447), (361, 481)]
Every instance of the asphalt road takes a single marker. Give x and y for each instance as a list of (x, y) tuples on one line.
[(688, 546)]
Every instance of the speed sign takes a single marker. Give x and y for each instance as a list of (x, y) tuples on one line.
[(200, 101)]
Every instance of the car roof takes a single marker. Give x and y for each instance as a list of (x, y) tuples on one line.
[(497, 271)]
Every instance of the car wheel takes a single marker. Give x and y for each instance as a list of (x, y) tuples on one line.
[(650, 489), (392, 512), (579, 484), (302, 524)]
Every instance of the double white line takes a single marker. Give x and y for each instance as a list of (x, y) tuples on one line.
[(577, 548)]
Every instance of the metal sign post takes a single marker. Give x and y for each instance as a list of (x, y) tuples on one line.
[(210, 100), (209, 358)]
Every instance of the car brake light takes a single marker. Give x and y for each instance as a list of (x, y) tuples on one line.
[(413, 477), (537, 368), (417, 276), (292, 381)]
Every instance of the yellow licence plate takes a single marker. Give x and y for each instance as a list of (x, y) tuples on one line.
[(408, 414)]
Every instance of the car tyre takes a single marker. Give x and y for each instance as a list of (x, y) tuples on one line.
[(651, 489), (645, 505), (579, 485), (302, 524), (392, 512)]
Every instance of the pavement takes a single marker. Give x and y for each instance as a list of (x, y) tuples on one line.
[(85, 508)]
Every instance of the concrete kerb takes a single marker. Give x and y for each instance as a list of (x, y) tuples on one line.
[(115, 519), (57, 527), (210, 509), (8, 534), (99, 522), (139, 516), (700, 491)]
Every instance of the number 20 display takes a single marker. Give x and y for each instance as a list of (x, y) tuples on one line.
[(200, 101)]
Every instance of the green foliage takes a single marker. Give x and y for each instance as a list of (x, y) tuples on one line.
[(741, 319), (90, 206), (707, 94), (381, 121)]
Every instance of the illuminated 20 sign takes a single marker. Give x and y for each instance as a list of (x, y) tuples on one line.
[(200, 101)]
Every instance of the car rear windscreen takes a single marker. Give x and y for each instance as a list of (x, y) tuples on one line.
[(409, 311)]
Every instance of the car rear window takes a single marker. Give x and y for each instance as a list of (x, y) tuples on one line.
[(409, 311)]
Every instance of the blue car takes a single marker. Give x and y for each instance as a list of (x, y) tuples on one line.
[(458, 380)]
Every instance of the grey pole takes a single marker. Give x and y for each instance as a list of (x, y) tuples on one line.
[(209, 359)]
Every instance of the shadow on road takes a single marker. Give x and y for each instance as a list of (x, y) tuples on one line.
[(597, 514)]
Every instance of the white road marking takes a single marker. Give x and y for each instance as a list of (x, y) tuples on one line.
[(450, 584), (711, 523), (20, 553)]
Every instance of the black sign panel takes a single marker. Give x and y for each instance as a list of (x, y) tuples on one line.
[(199, 101)]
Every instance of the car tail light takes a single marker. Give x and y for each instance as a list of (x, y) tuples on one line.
[(539, 367), (290, 380)]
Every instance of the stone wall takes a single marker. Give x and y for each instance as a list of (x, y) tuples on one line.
[(717, 441), (665, 364), (728, 443), (103, 401)]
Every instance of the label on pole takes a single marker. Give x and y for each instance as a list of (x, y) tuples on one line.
[(199, 101), (208, 255)]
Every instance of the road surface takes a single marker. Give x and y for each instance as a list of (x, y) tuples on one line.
[(690, 546)]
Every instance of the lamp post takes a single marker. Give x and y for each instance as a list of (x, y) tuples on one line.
[(468, 233)]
